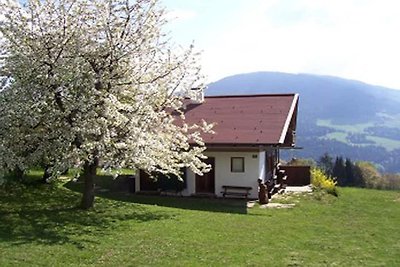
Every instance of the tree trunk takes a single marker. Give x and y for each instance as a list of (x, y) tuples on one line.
[(46, 174), (89, 174), (18, 174)]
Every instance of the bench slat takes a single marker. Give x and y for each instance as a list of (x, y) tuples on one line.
[(236, 187), (232, 190), (235, 193)]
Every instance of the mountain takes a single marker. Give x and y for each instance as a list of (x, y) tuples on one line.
[(343, 117)]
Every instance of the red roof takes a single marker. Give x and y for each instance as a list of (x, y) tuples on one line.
[(246, 119)]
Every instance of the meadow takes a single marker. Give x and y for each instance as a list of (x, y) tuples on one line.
[(41, 226)]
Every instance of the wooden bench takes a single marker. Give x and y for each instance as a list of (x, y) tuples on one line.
[(231, 190)]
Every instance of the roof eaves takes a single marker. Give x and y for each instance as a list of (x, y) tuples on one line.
[(239, 144), (249, 95)]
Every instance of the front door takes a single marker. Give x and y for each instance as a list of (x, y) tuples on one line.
[(206, 183)]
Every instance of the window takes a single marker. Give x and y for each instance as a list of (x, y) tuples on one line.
[(237, 164)]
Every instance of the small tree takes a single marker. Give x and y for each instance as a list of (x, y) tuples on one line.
[(320, 180), (325, 162), (349, 172), (392, 181), (339, 171), (90, 81), (369, 175)]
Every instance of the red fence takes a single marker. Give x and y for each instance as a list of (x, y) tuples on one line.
[(297, 175)]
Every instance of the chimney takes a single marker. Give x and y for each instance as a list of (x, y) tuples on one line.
[(197, 95)]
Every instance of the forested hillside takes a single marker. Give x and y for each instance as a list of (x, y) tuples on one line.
[(338, 116)]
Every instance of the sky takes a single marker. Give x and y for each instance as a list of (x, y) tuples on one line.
[(354, 39)]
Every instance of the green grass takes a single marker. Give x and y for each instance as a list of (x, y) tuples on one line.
[(40, 226)]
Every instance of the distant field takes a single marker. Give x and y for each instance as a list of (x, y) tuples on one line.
[(390, 120), (348, 128), (343, 130), (387, 143), (40, 226), (338, 136)]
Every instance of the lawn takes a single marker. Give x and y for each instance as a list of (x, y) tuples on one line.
[(41, 226)]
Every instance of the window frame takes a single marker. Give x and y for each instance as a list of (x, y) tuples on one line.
[(242, 170)]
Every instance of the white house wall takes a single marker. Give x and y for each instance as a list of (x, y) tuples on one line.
[(254, 168), (224, 176), (190, 183)]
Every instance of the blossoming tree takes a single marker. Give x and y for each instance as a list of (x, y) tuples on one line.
[(95, 83)]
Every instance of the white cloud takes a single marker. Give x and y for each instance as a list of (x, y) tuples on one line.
[(352, 39)]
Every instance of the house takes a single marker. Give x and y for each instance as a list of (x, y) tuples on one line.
[(250, 130)]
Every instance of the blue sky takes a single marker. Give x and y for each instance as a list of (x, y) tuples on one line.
[(355, 39)]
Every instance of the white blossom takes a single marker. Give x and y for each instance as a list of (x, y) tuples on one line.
[(95, 79)]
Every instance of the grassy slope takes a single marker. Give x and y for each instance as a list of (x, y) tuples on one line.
[(40, 226)]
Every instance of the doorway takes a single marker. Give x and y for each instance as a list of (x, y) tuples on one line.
[(206, 183)]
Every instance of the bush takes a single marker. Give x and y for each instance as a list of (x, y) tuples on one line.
[(320, 180)]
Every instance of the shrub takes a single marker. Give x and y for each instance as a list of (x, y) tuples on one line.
[(320, 180)]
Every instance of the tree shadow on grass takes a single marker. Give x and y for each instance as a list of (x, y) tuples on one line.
[(118, 190), (46, 215), (237, 206)]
